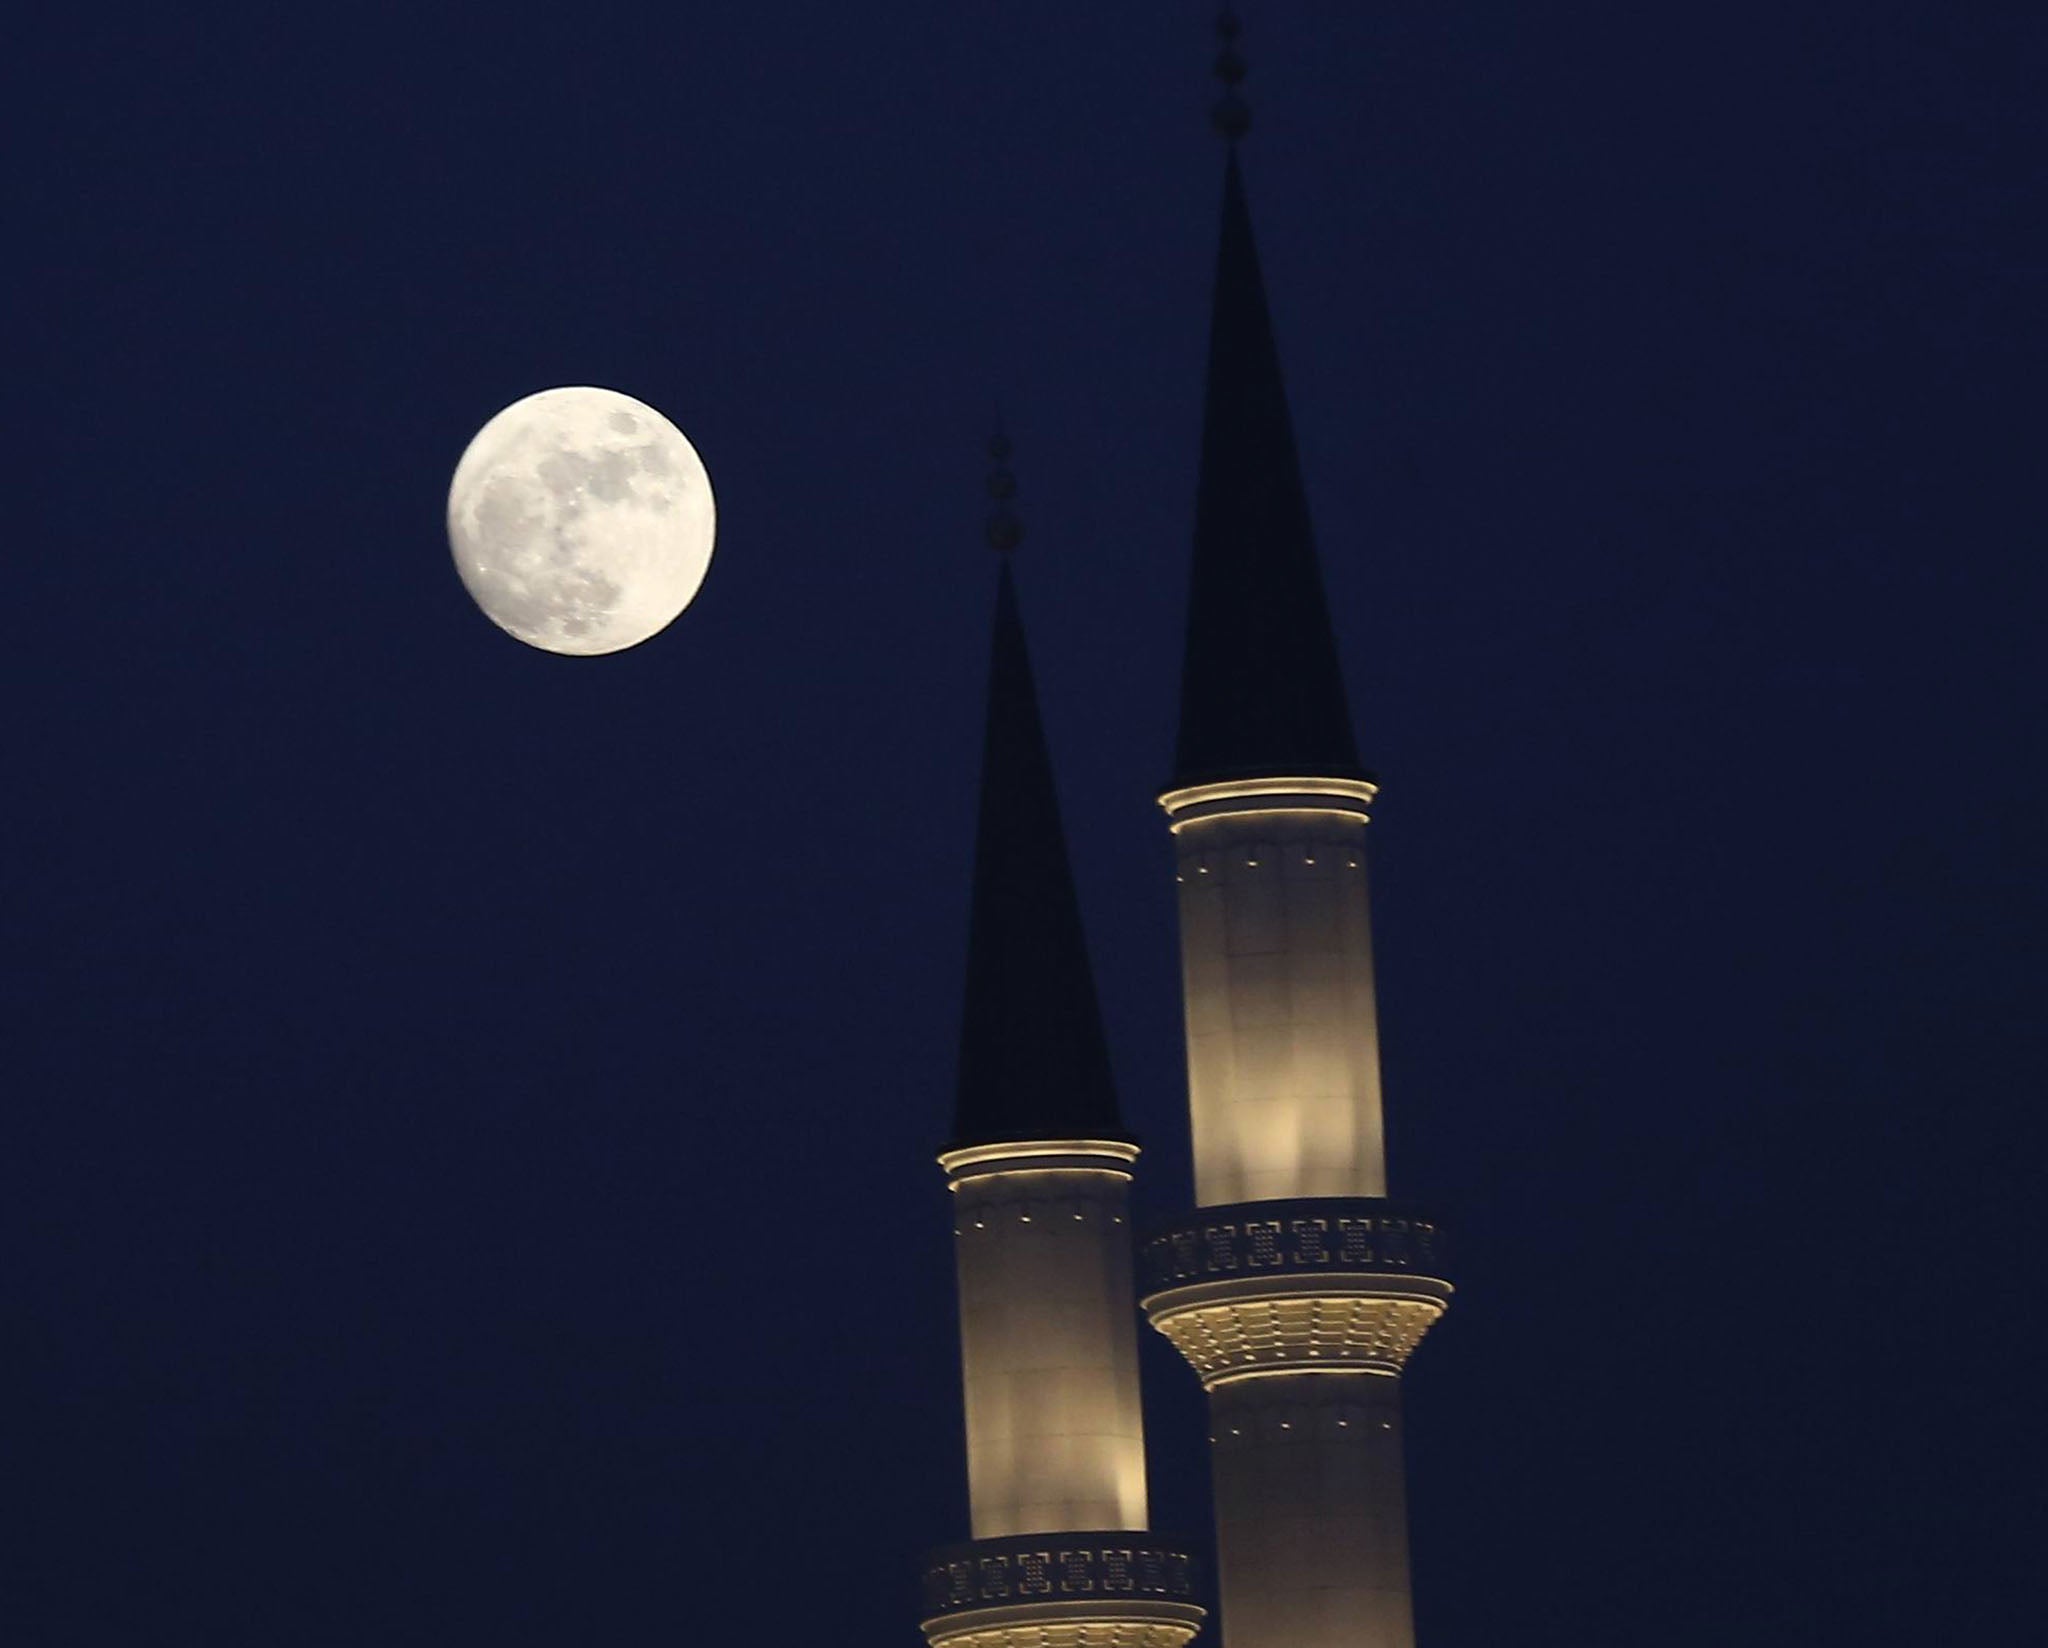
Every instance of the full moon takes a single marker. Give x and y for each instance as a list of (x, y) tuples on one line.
[(581, 521)]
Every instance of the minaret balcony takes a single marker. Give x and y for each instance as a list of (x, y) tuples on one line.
[(1334, 1285), (1128, 1589)]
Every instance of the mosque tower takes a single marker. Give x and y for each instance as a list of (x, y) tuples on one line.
[(1295, 1289), (1040, 1171)]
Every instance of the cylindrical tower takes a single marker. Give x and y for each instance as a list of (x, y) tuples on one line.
[(1296, 1290), (1040, 1173), (1049, 1361), (1299, 1315), (1276, 968)]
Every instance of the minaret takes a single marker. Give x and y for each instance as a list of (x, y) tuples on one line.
[(1040, 1171), (1295, 1289)]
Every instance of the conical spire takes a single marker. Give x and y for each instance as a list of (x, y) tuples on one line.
[(1261, 691), (1034, 1063)]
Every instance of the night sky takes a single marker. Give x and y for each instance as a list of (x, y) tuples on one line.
[(466, 1135)]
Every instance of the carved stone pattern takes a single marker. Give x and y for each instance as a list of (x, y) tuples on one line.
[(1283, 1237), (1299, 1332), (994, 1573)]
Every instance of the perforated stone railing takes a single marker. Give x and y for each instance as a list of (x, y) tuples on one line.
[(1068, 1567), (1290, 1238)]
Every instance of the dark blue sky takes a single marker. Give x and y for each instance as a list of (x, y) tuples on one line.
[(468, 1121)]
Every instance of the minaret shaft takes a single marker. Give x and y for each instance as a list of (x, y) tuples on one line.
[(1311, 1511), (1276, 965), (1299, 1315), (1049, 1365)]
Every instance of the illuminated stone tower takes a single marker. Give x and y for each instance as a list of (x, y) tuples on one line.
[(1040, 1170), (1295, 1289)]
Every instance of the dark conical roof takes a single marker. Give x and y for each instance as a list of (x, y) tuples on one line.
[(1261, 691), (1034, 1063)]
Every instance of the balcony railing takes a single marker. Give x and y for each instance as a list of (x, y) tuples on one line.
[(1070, 1567), (1293, 1237)]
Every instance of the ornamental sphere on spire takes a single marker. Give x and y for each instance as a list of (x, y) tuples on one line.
[(1231, 115)]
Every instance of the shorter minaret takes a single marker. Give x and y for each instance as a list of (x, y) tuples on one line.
[(1040, 1172)]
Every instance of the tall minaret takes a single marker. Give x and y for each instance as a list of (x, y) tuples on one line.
[(1040, 1171), (1295, 1289)]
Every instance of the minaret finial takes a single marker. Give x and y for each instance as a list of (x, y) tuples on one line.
[(1005, 528), (1231, 116)]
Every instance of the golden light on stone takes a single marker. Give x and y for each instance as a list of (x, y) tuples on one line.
[(1037, 1155), (1069, 1625), (1353, 796), (1321, 1332), (1055, 1428), (1277, 979)]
